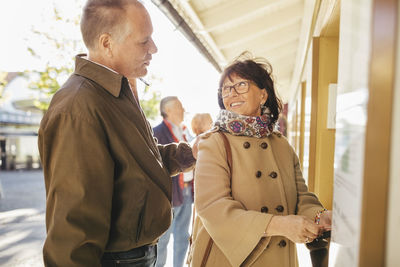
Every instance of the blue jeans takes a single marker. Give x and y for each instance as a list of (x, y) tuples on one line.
[(138, 257), (180, 229)]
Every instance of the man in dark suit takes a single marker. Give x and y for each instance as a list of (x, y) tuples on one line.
[(170, 130)]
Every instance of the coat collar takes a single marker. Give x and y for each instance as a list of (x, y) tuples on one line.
[(107, 78)]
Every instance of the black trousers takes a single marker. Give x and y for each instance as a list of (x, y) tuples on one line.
[(145, 256)]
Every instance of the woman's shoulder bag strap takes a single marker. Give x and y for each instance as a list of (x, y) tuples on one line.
[(229, 160)]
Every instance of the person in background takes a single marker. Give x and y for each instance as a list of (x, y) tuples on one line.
[(201, 122), (253, 213), (168, 131), (108, 184)]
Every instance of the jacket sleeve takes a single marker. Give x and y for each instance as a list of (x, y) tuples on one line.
[(177, 157), (307, 202), (235, 230), (79, 173)]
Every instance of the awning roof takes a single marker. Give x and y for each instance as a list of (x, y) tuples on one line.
[(274, 29)]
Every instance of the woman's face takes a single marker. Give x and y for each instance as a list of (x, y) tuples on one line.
[(247, 104)]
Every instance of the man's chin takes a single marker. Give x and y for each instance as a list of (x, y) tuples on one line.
[(139, 74), (142, 72)]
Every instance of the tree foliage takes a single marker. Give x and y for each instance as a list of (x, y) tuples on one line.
[(149, 101), (47, 82), (3, 84)]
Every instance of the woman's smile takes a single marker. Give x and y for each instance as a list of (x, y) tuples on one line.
[(236, 104)]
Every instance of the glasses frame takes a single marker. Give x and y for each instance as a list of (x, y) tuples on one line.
[(234, 88)]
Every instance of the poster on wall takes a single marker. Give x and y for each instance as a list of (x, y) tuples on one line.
[(351, 119)]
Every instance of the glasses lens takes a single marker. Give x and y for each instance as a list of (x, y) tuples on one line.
[(242, 87), (225, 91)]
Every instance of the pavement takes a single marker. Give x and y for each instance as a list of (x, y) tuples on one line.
[(22, 218), (22, 221)]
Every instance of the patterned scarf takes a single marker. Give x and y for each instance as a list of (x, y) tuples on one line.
[(235, 124)]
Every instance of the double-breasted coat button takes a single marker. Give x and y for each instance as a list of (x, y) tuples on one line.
[(282, 243), (273, 175), (264, 209), (246, 145), (258, 174), (279, 208), (264, 145)]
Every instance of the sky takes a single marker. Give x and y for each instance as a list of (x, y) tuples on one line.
[(182, 70)]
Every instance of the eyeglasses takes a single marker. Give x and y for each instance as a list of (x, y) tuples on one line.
[(241, 87)]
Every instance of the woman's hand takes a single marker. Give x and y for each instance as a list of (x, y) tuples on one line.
[(297, 228), (326, 220)]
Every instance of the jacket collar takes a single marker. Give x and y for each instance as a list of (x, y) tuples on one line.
[(105, 77)]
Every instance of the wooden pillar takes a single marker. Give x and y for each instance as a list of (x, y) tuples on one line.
[(378, 134), (322, 140)]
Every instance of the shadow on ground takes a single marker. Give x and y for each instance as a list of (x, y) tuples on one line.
[(22, 218)]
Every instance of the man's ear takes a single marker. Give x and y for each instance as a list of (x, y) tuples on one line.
[(105, 44)]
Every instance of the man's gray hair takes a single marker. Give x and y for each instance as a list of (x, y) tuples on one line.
[(104, 16), (164, 102)]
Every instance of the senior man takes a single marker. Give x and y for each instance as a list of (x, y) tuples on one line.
[(108, 183)]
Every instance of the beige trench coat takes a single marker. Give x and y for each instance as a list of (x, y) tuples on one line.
[(266, 182)]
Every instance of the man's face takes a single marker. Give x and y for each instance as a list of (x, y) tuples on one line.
[(132, 55), (175, 111)]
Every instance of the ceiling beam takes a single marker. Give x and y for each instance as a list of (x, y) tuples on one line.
[(259, 27), (232, 39), (261, 46), (285, 66), (286, 58), (281, 51), (234, 12), (182, 24)]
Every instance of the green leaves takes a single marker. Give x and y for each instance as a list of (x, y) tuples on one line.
[(150, 102), (3, 83)]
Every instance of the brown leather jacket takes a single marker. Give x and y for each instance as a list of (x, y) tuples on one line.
[(108, 183)]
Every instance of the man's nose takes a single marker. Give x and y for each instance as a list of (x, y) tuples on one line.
[(153, 48)]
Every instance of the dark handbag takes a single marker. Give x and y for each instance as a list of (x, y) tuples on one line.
[(319, 250), (210, 241)]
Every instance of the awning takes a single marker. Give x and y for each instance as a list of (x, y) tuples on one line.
[(222, 29)]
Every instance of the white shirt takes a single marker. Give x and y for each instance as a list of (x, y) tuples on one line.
[(182, 136)]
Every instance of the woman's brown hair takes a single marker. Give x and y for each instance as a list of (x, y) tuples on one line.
[(259, 71)]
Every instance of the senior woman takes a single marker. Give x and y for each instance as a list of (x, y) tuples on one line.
[(257, 213)]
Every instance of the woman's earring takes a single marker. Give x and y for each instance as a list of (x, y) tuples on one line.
[(262, 108)]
